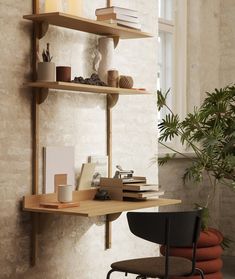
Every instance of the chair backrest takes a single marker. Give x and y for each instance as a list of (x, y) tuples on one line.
[(167, 228)]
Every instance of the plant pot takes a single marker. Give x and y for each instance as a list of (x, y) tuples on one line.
[(46, 71), (208, 254)]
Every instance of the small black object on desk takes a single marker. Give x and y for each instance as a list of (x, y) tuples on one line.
[(102, 195)]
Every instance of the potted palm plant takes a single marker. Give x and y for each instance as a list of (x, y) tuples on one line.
[(209, 131)]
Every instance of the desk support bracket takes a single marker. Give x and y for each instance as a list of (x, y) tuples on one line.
[(108, 228)]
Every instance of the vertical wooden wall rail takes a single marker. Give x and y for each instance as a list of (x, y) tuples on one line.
[(35, 142), (109, 140), (109, 3), (108, 224)]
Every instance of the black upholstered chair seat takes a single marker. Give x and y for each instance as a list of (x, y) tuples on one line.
[(171, 229), (155, 266)]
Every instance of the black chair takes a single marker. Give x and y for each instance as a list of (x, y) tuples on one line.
[(177, 229)]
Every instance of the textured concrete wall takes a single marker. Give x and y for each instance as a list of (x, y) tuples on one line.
[(203, 74), (227, 73), (70, 247), (211, 38)]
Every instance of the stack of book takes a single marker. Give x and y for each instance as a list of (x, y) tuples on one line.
[(119, 16), (141, 191)]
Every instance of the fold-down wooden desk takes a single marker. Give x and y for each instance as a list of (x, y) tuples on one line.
[(92, 208)]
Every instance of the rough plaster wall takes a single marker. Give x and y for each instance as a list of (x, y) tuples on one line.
[(227, 72), (15, 136), (203, 49), (70, 247)]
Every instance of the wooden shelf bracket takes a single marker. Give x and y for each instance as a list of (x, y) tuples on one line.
[(112, 100), (41, 29), (43, 94), (108, 228)]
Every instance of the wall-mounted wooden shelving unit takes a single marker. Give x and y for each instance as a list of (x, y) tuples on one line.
[(88, 207)]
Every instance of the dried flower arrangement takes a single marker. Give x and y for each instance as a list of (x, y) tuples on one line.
[(46, 56)]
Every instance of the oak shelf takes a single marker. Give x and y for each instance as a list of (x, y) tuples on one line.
[(70, 86), (87, 25), (89, 207)]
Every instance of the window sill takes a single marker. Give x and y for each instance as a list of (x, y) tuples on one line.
[(185, 154)]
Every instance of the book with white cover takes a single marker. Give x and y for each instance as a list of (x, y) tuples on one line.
[(123, 23), (117, 10), (119, 17), (140, 187), (142, 195)]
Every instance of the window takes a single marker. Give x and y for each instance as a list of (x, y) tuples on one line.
[(172, 59)]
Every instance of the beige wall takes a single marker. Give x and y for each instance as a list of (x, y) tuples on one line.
[(211, 55), (70, 247)]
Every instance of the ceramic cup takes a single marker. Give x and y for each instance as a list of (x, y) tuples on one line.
[(65, 193), (63, 73)]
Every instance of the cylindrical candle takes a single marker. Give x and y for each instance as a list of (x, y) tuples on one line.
[(65, 193), (53, 6), (75, 7)]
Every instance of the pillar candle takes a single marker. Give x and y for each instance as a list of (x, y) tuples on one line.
[(75, 7), (53, 6)]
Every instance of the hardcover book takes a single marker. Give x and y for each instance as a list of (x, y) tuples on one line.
[(117, 10)]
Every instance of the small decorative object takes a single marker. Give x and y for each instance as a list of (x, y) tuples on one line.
[(113, 78), (101, 164), (102, 195), (106, 50), (97, 58), (124, 174), (46, 69), (96, 179), (53, 6), (75, 7), (93, 80), (63, 73), (126, 82), (65, 193)]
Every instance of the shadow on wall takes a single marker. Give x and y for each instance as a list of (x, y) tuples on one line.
[(59, 236)]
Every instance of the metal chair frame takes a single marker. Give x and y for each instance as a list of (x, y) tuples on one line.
[(176, 229)]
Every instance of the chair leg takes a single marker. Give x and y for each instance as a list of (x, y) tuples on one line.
[(200, 271), (109, 273)]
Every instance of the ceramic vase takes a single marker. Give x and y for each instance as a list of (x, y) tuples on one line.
[(106, 50), (46, 71)]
